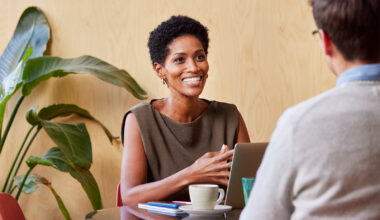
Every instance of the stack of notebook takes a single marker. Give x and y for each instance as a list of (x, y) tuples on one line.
[(171, 209)]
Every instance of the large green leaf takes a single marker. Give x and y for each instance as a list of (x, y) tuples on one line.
[(32, 30), (55, 158), (73, 140), (75, 155), (42, 68), (8, 87), (89, 185), (29, 40), (61, 110)]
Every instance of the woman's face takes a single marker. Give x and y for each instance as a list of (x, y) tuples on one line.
[(185, 67)]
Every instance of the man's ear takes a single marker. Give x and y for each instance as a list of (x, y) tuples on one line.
[(159, 70), (326, 43)]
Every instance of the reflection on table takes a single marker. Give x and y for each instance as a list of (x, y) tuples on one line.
[(134, 213)]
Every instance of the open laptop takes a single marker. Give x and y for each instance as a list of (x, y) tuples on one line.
[(245, 163)]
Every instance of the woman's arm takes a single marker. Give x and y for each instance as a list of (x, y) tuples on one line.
[(210, 168), (243, 136)]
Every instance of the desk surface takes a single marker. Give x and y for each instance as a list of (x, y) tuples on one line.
[(134, 213)]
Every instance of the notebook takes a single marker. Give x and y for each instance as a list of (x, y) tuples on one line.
[(245, 163), (164, 208)]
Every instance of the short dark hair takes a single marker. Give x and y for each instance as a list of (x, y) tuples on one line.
[(353, 26), (168, 30)]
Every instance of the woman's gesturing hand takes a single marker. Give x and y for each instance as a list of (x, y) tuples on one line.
[(212, 167)]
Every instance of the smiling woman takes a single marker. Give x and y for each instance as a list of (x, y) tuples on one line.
[(185, 67), (179, 140)]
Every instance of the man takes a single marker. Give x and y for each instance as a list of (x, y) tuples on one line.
[(323, 161)]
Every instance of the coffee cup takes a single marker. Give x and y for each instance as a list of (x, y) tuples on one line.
[(205, 196)]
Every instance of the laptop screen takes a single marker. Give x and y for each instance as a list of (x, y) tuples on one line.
[(245, 163)]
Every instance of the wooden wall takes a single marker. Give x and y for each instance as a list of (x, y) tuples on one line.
[(262, 58)]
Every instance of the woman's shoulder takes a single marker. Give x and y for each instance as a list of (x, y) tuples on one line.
[(224, 114), (222, 106), (140, 110), (140, 107), (141, 113)]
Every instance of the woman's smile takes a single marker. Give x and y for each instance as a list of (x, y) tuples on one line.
[(194, 81)]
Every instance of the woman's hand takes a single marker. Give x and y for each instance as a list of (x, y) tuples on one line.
[(212, 167)]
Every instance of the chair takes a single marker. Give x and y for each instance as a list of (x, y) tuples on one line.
[(9, 208), (119, 202)]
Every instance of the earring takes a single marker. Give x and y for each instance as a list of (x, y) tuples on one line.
[(164, 82)]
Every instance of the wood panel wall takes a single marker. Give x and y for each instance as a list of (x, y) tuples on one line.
[(262, 58)]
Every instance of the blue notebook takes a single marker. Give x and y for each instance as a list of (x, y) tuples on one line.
[(168, 213), (161, 207), (164, 204)]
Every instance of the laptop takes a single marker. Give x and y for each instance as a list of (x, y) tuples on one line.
[(245, 163)]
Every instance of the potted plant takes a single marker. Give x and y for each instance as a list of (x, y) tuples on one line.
[(23, 66)]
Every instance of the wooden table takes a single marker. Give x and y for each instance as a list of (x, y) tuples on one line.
[(134, 213)]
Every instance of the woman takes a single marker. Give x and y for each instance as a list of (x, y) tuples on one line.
[(180, 140)]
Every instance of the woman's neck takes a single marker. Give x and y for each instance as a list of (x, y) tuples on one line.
[(185, 109)]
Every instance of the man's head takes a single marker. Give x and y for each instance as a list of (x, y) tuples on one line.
[(353, 26)]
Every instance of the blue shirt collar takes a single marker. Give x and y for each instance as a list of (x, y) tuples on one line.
[(368, 72)]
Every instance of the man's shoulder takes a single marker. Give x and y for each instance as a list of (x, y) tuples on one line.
[(310, 106), (338, 100)]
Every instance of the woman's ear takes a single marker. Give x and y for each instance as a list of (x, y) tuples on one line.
[(159, 70), (326, 43)]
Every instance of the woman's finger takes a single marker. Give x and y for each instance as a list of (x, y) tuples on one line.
[(223, 149), (221, 181), (224, 166), (225, 156), (210, 154), (221, 174)]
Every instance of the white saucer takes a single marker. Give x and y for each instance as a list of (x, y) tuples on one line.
[(218, 210)]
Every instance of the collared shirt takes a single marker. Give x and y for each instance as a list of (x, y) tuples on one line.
[(368, 72)]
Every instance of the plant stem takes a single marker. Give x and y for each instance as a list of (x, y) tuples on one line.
[(61, 205), (13, 189), (22, 157), (15, 109), (15, 160), (23, 182)]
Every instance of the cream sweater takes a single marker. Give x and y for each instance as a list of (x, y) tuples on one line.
[(323, 161)]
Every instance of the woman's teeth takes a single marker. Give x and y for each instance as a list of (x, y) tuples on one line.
[(192, 79)]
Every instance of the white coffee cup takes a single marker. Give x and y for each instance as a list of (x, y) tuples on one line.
[(205, 196)]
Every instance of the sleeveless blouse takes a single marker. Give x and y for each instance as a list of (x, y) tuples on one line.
[(171, 146)]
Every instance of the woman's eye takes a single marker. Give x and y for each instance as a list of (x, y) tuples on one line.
[(179, 60), (200, 57)]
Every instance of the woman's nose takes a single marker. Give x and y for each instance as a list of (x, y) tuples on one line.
[(192, 66)]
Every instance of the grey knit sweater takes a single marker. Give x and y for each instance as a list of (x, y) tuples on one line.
[(323, 161)]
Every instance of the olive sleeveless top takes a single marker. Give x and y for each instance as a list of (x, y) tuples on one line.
[(171, 146)]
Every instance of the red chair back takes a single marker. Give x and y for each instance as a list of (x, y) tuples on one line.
[(119, 202), (9, 208)]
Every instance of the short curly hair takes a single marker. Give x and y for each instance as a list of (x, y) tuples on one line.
[(169, 30)]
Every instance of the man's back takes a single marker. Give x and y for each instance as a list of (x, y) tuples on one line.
[(343, 128), (324, 159)]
